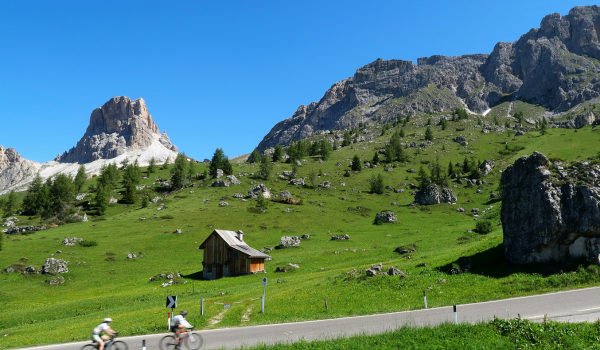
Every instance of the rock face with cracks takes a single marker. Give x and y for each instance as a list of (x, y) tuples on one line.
[(120, 124), (553, 66), (550, 212)]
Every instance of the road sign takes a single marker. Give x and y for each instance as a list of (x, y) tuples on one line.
[(171, 302), (264, 281)]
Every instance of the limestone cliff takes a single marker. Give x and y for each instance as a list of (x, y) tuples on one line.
[(555, 66), (550, 211), (117, 127)]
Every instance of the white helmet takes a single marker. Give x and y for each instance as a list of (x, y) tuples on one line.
[(108, 319)]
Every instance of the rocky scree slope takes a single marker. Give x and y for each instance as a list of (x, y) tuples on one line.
[(116, 127), (556, 66), (550, 211), (14, 168)]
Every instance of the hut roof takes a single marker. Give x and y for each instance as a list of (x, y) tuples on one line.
[(232, 240)]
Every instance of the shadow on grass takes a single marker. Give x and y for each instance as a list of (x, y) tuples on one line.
[(492, 263), (196, 276)]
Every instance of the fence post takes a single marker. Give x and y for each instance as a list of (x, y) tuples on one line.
[(201, 306), (144, 344), (326, 306), (425, 299), (262, 307), (455, 316)]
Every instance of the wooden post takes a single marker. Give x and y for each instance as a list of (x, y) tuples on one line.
[(326, 306)]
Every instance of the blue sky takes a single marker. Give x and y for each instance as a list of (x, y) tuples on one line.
[(217, 74)]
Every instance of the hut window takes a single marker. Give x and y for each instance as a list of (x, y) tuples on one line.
[(233, 255)]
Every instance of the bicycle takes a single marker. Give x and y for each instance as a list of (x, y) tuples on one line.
[(192, 341), (111, 344)]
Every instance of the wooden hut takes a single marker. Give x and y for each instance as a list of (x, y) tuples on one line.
[(227, 255)]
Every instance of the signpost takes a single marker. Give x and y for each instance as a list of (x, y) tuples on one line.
[(171, 304), (264, 283)]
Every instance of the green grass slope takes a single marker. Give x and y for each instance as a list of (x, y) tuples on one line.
[(102, 282)]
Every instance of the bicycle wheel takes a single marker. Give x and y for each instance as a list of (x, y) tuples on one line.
[(167, 343), (89, 347), (118, 345), (194, 341)]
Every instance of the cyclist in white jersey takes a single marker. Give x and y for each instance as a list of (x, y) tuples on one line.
[(179, 323), (102, 332)]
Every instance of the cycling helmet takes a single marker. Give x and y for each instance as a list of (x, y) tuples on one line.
[(183, 313), (108, 319)]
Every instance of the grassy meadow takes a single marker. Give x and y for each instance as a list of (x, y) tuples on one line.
[(102, 282)]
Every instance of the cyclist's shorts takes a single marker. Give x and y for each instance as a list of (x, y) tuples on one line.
[(174, 328), (96, 338)]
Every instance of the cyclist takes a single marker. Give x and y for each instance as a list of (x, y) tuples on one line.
[(102, 333), (179, 323)]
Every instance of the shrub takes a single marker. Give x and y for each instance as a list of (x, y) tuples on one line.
[(167, 217), (483, 227), (88, 243), (377, 185)]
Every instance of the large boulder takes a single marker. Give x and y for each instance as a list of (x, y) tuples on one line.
[(257, 190), (297, 182), (220, 183), (55, 266), (289, 241), (386, 216), (487, 166), (233, 180), (549, 212), (433, 195)]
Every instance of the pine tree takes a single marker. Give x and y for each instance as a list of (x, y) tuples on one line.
[(335, 145), (466, 167), (179, 172), (266, 167), (102, 198), (389, 153), (450, 168), (422, 178), (325, 149), (375, 159), (151, 166), (217, 162), (355, 163), (62, 193), (347, 138), (278, 153), (80, 178), (31, 205), (428, 134), (166, 164), (401, 134), (255, 157), (228, 167), (132, 174), (443, 123), (124, 163), (129, 195), (145, 201), (11, 205)]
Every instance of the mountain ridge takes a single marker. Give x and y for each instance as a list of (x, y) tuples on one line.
[(556, 66)]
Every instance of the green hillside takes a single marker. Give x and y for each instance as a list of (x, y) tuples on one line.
[(103, 282)]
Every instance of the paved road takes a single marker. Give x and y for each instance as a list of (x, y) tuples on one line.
[(571, 306)]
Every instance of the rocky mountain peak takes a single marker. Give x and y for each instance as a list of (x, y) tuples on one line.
[(118, 126)]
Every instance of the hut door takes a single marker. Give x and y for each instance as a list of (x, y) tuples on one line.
[(219, 271)]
